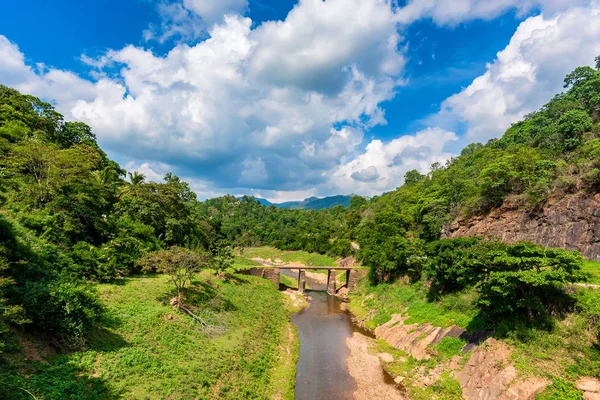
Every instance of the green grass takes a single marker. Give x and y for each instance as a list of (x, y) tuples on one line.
[(560, 390), (241, 263), (310, 259), (288, 281), (147, 350), (593, 269), (384, 300), (449, 347)]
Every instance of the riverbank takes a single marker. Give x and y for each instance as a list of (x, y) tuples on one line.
[(367, 370), (441, 349)]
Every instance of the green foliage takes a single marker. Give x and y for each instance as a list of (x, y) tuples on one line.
[(445, 265), (449, 347), (572, 125), (62, 307), (560, 390), (222, 258)]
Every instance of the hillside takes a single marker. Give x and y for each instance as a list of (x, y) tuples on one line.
[(146, 350)]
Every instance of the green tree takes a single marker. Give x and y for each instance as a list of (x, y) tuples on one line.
[(222, 258), (413, 176), (179, 263), (572, 125)]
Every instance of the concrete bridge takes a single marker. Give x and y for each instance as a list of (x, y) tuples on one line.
[(272, 273)]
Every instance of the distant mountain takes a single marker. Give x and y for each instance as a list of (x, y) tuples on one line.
[(311, 203), (264, 202)]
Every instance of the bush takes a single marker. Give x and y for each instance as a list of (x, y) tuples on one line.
[(63, 307)]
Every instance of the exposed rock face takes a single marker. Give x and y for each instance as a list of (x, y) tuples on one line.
[(571, 222), (414, 339), (488, 375), (488, 372), (591, 388)]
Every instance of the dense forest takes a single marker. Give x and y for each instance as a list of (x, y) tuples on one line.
[(70, 215)]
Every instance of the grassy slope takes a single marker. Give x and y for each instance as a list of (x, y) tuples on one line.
[(312, 259), (570, 350), (592, 268), (148, 350)]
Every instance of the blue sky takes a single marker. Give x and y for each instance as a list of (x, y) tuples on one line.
[(285, 100)]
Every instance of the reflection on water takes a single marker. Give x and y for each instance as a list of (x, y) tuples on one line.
[(322, 372)]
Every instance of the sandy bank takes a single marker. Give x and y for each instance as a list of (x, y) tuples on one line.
[(367, 372)]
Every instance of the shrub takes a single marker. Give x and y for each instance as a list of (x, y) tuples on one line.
[(62, 307)]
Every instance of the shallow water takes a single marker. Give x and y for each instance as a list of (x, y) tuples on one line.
[(322, 372)]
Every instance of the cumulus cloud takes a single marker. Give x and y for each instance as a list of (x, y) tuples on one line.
[(382, 165), (369, 174), (452, 12), (51, 84), (527, 73), (319, 42)]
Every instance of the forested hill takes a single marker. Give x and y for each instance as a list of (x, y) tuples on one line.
[(553, 151)]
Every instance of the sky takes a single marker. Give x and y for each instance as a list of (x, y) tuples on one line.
[(286, 99)]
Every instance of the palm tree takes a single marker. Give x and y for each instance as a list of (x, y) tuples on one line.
[(136, 178), (107, 177)]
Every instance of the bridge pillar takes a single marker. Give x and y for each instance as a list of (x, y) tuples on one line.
[(301, 280), (331, 282), (348, 279)]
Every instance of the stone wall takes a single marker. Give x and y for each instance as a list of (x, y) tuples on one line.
[(271, 274), (571, 222)]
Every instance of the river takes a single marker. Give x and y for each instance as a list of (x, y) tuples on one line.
[(324, 330)]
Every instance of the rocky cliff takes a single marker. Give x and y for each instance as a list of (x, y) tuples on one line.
[(571, 222)]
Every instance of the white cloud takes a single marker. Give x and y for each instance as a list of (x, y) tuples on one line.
[(527, 73), (382, 166), (452, 12), (314, 48)]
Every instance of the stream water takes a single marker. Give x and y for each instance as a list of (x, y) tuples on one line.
[(322, 371)]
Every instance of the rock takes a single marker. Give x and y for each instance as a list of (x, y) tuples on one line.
[(414, 339), (588, 385), (571, 222), (591, 396), (488, 372), (398, 380), (525, 390), (386, 357)]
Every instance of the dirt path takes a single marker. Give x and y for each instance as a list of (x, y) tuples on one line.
[(367, 372)]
